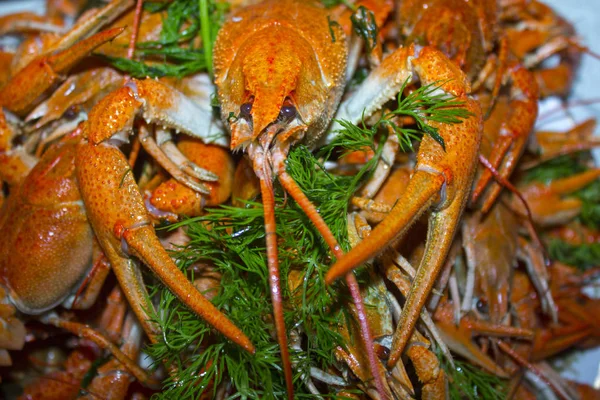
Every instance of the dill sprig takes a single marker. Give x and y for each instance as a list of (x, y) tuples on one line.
[(582, 256), (365, 26), (590, 209), (335, 3), (470, 382), (330, 193), (555, 168), (232, 240), (209, 29), (177, 52), (425, 104)]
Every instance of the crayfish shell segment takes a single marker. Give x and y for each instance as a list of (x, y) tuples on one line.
[(276, 54), (464, 32), (112, 118), (47, 240), (113, 115)]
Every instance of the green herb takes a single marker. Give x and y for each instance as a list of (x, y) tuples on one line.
[(175, 53), (139, 69), (471, 382), (207, 34), (360, 75), (365, 26), (563, 167), (330, 193), (92, 372), (582, 256), (232, 239), (424, 104), (590, 209), (335, 3), (555, 168), (331, 24)]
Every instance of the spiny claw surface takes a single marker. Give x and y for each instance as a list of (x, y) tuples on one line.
[(442, 181), (117, 213)]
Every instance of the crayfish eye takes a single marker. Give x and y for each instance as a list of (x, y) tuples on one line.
[(287, 112), (482, 306), (245, 110)]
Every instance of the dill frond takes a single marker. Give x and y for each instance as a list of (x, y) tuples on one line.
[(555, 168), (365, 26), (335, 3), (176, 52), (233, 241), (590, 209), (423, 105), (427, 103), (330, 193), (582, 256), (471, 382)]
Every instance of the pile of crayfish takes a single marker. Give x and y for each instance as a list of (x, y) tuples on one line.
[(252, 153)]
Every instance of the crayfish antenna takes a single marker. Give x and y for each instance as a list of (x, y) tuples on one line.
[(268, 199), (311, 212)]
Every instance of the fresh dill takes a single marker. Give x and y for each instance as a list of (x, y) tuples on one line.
[(335, 3), (363, 22), (209, 29), (232, 240), (470, 382), (582, 256), (555, 168), (365, 26), (590, 209), (92, 373), (331, 23), (177, 52), (425, 104)]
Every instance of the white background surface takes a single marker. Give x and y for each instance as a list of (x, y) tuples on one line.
[(585, 16)]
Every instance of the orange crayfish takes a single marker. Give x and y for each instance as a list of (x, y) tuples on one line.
[(280, 68), (82, 190)]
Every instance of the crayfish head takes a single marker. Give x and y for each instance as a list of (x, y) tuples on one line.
[(273, 91)]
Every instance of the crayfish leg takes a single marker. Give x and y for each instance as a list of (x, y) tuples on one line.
[(103, 342), (462, 345), (19, 94), (442, 226), (512, 135)]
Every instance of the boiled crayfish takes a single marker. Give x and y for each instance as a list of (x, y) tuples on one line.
[(280, 69), (84, 183)]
